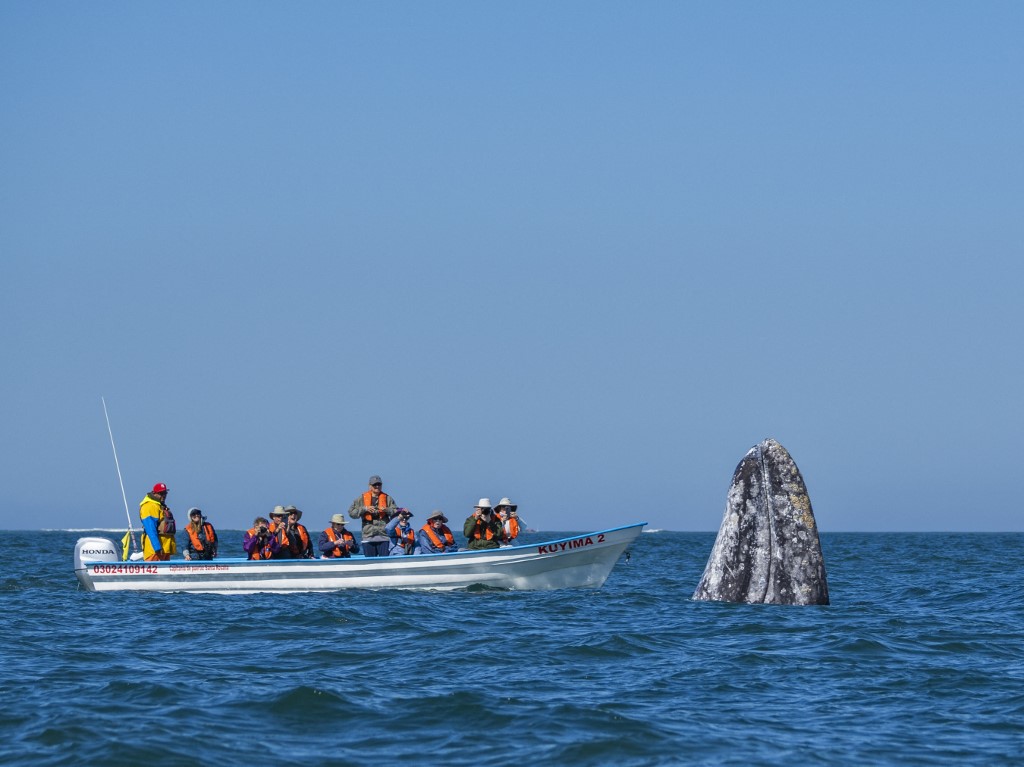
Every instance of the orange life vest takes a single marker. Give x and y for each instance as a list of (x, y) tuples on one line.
[(278, 531), (382, 504), (382, 500), (487, 528), (332, 537), (407, 537), (197, 544), (511, 528), (167, 525), (449, 539), (303, 537)]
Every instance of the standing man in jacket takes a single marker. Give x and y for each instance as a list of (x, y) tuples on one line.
[(158, 523), (374, 508)]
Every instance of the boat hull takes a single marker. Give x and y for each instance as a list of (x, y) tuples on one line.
[(582, 561)]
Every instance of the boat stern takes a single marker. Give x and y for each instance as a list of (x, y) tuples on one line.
[(89, 551)]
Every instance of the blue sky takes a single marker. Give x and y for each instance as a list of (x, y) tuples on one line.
[(582, 254)]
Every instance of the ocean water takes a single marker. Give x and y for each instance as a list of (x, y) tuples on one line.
[(919, 660)]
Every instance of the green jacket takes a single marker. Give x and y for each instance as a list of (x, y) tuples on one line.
[(475, 529)]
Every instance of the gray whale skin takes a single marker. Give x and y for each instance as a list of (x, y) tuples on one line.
[(767, 549)]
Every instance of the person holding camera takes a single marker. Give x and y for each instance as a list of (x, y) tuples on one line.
[(336, 541), (401, 534), (374, 508), (506, 511), (299, 544), (259, 542), (279, 530), (483, 529)]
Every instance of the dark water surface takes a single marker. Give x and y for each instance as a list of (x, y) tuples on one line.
[(918, 661)]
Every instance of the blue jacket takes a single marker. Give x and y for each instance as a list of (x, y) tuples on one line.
[(394, 531), (427, 546)]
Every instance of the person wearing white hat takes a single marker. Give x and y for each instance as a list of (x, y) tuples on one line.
[(510, 522), (336, 541), (435, 537), (482, 528)]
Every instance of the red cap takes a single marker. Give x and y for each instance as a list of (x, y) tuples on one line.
[(159, 487)]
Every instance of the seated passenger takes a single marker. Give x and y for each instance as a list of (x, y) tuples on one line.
[(510, 522), (401, 534), (299, 544), (279, 529), (202, 538), (483, 529), (259, 542), (336, 541), (435, 537)]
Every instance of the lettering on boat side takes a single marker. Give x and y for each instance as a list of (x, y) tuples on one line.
[(198, 568), (122, 569), (575, 543)]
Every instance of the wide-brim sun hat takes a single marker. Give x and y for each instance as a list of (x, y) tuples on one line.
[(483, 503), (438, 514), (279, 511), (293, 510), (338, 519), (506, 502)]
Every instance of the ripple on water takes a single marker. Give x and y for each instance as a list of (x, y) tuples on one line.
[(918, 661)]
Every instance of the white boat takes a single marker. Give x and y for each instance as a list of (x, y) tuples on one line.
[(582, 561)]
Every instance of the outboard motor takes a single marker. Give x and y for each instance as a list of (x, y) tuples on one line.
[(90, 550)]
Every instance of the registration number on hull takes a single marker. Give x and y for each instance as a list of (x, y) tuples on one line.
[(123, 569)]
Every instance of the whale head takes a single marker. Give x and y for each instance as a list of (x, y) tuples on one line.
[(767, 549)]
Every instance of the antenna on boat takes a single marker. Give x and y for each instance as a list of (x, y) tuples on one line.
[(131, 530)]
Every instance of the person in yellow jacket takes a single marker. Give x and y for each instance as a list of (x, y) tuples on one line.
[(158, 525)]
